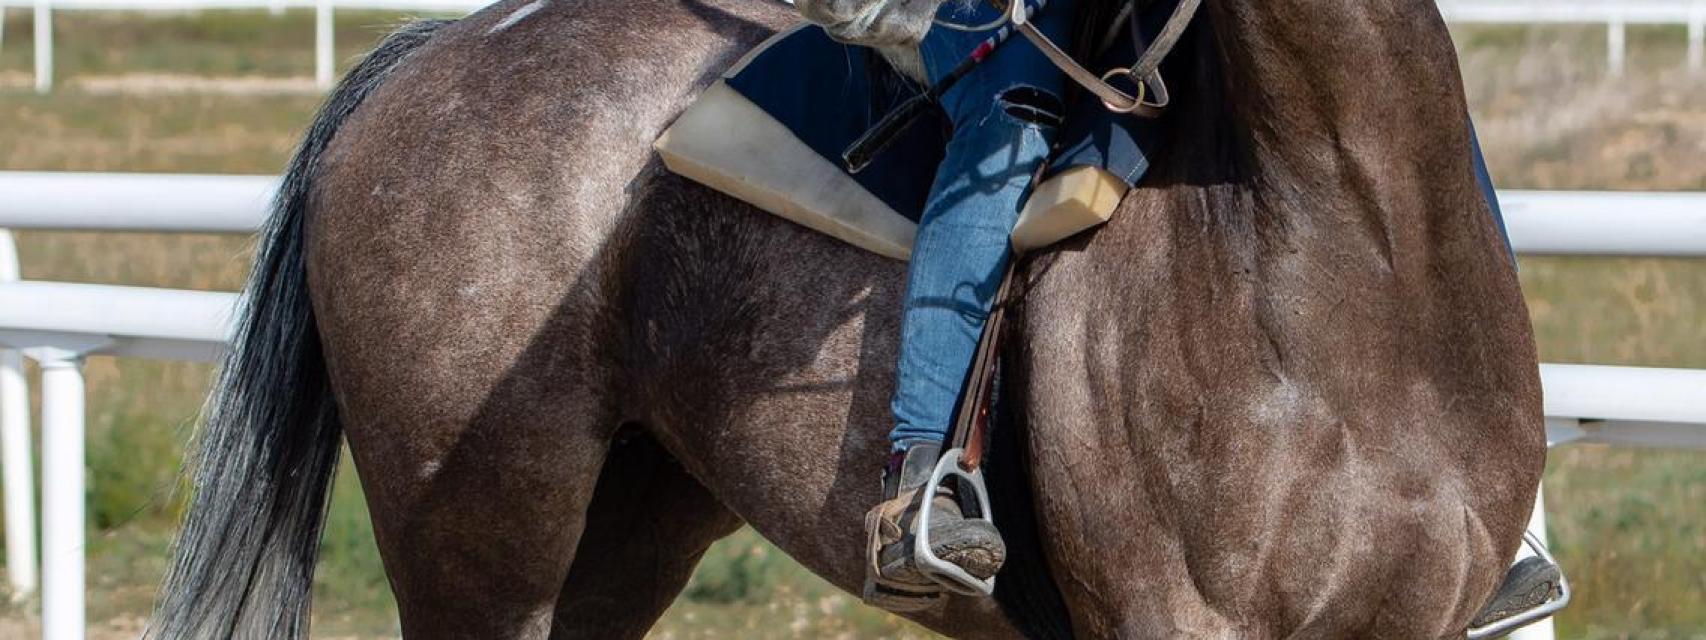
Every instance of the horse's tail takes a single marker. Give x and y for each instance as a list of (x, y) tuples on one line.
[(268, 446)]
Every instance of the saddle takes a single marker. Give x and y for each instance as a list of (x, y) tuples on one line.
[(773, 131)]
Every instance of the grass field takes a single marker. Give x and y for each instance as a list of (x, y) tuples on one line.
[(1630, 525)]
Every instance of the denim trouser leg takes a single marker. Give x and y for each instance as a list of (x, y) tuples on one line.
[(962, 245), (957, 261)]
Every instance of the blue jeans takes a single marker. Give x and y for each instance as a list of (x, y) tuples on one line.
[(999, 141)]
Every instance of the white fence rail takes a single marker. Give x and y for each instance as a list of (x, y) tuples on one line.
[(134, 201), (324, 53), (59, 324), (1606, 223), (1569, 11), (1615, 14)]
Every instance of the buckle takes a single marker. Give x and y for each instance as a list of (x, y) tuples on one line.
[(945, 573), (1543, 610)]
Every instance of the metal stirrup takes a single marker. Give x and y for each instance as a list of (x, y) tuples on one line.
[(951, 576), (1505, 626)]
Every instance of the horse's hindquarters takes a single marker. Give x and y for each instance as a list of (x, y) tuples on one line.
[(464, 221)]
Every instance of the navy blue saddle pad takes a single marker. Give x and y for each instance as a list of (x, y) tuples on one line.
[(828, 94)]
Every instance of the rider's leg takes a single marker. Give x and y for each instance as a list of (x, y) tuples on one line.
[(958, 257), (1004, 114)]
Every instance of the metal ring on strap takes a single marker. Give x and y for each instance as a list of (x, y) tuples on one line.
[(1136, 101), (1153, 87)]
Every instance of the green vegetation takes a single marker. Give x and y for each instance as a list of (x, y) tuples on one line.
[(1630, 525), (200, 43)]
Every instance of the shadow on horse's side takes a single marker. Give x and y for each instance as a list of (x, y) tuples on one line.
[(1289, 391)]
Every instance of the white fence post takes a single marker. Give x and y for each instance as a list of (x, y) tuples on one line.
[(323, 49), (1544, 629), (1697, 36), (1615, 43), (16, 470), (44, 46), (19, 475), (62, 396)]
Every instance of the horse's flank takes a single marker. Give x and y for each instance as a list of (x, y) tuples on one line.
[(1288, 391)]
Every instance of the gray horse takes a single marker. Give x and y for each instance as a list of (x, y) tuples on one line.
[(1289, 391)]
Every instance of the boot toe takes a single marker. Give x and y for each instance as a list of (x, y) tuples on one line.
[(1527, 585), (974, 545)]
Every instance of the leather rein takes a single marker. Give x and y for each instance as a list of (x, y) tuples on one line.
[(1152, 96)]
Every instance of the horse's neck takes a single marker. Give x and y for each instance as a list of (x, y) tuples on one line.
[(1329, 86), (1312, 153), (1341, 124)]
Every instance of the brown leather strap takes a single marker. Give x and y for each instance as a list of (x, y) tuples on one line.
[(1148, 63), (972, 418), (1143, 72)]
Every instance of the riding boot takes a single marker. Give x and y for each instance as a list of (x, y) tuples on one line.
[(893, 581), (1529, 584)]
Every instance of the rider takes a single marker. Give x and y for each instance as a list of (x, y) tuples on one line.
[(1004, 113)]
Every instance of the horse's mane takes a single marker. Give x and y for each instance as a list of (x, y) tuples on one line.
[(1092, 22)]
